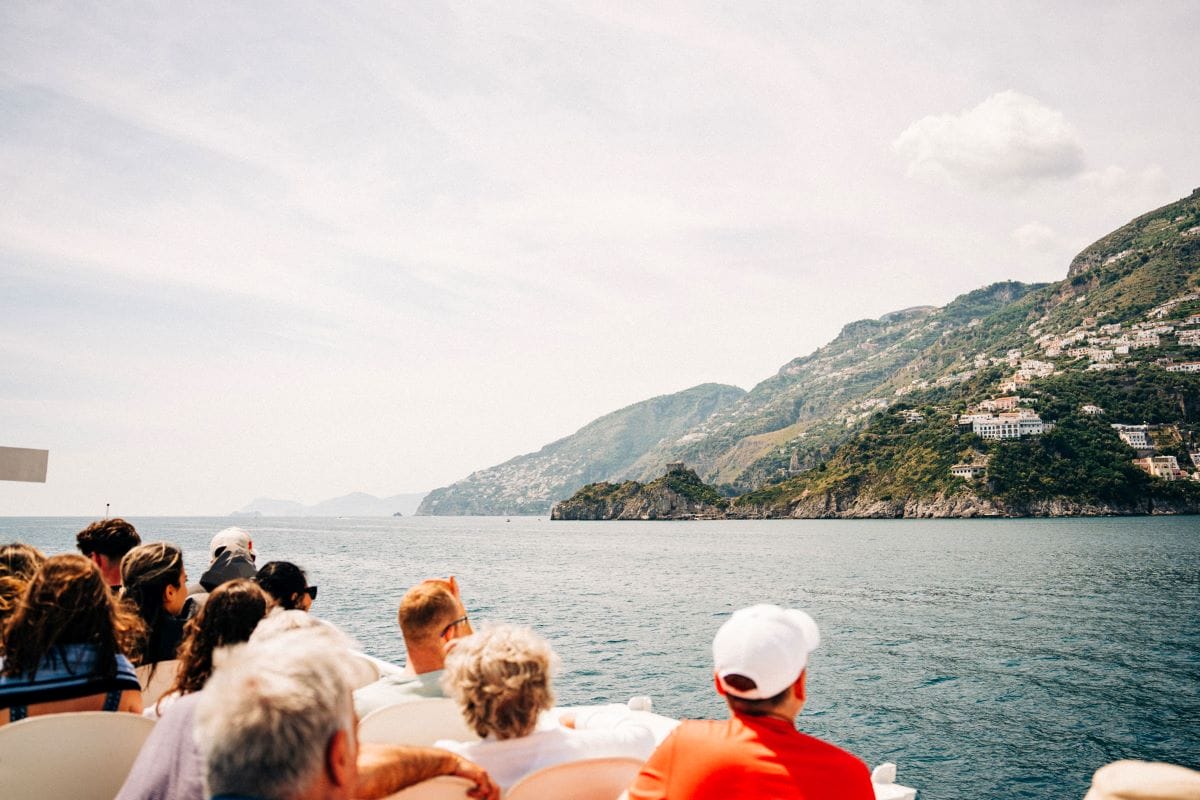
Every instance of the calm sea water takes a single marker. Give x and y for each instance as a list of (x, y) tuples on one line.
[(986, 658)]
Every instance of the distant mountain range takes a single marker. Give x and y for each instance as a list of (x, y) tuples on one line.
[(823, 426), (356, 504)]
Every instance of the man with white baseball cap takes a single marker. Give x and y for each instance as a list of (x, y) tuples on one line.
[(760, 658)]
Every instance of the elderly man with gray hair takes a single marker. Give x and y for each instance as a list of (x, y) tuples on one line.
[(276, 722)]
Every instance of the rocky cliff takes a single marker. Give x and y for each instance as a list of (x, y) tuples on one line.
[(679, 494)]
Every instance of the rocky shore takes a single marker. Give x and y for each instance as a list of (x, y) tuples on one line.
[(681, 495)]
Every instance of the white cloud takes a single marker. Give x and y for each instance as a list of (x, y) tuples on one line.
[(1035, 236), (1008, 139)]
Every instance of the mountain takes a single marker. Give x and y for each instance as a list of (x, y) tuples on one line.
[(812, 403), (605, 449), (870, 425), (356, 504)]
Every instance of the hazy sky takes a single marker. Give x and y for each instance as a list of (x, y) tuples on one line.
[(301, 249)]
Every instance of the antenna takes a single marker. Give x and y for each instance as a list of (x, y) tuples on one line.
[(106, 506)]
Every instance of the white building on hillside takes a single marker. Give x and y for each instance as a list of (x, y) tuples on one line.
[(1136, 436), (968, 471), (1187, 366), (1010, 425)]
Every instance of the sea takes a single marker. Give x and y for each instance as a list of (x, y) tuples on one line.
[(986, 658)]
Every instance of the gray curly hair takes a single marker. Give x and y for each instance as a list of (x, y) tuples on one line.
[(500, 678)]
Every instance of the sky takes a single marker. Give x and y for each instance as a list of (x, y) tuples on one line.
[(299, 249)]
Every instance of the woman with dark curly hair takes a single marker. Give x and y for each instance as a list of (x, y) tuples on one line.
[(229, 617), (287, 584), (65, 646)]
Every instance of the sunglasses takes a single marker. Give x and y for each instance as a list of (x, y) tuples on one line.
[(453, 625), (311, 591)]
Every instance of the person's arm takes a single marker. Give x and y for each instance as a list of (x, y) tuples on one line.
[(385, 769), (131, 701)]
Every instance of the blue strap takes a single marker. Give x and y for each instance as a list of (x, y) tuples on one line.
[(112, 702)]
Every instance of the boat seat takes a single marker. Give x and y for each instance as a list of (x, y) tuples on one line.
[(444, 787), (84, 755), (156, 679), (363, 670), (589, 779), (417, 722)]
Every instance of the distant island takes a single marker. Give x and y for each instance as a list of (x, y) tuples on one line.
[(356, 504), (1079, 397)]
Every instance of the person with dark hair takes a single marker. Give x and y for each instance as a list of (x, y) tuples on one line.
[(287, 585), (760, 661), (229, 617), (65, 646), (18, 564), (156, 584), (106, 542)]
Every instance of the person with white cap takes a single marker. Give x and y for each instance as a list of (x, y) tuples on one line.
[(232, 557), (760, 658)]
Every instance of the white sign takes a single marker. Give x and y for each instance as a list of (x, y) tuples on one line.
[(22, 464)]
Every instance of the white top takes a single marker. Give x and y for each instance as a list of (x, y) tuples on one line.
[(509, 760)]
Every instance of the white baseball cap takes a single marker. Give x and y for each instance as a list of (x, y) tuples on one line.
[(233, 539), (767, 644)]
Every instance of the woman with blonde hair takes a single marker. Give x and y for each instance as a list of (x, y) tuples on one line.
[(500, 678), (155, 583), (65, 646)]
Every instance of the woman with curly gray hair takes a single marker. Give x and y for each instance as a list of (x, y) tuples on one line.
[(500, 678)]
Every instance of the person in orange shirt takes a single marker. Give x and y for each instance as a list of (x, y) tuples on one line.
[(760, 660)]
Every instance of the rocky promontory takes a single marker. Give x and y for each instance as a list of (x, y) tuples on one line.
[(679, 494)]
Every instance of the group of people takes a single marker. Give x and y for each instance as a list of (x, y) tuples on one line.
[(263, 705)]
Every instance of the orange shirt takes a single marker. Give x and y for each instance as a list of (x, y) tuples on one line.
[(749, 757)]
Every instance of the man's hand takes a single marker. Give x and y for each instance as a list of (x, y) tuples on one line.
[(485, 787), (385, 769)]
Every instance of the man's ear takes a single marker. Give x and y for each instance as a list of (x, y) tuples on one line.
[(717, 683), (339, 759), (798, 686)]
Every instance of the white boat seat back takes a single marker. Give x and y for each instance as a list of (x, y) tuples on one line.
[(445, 787), (156, 679), (417, 722), (589, 779), (362, 670), (85, 755)]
